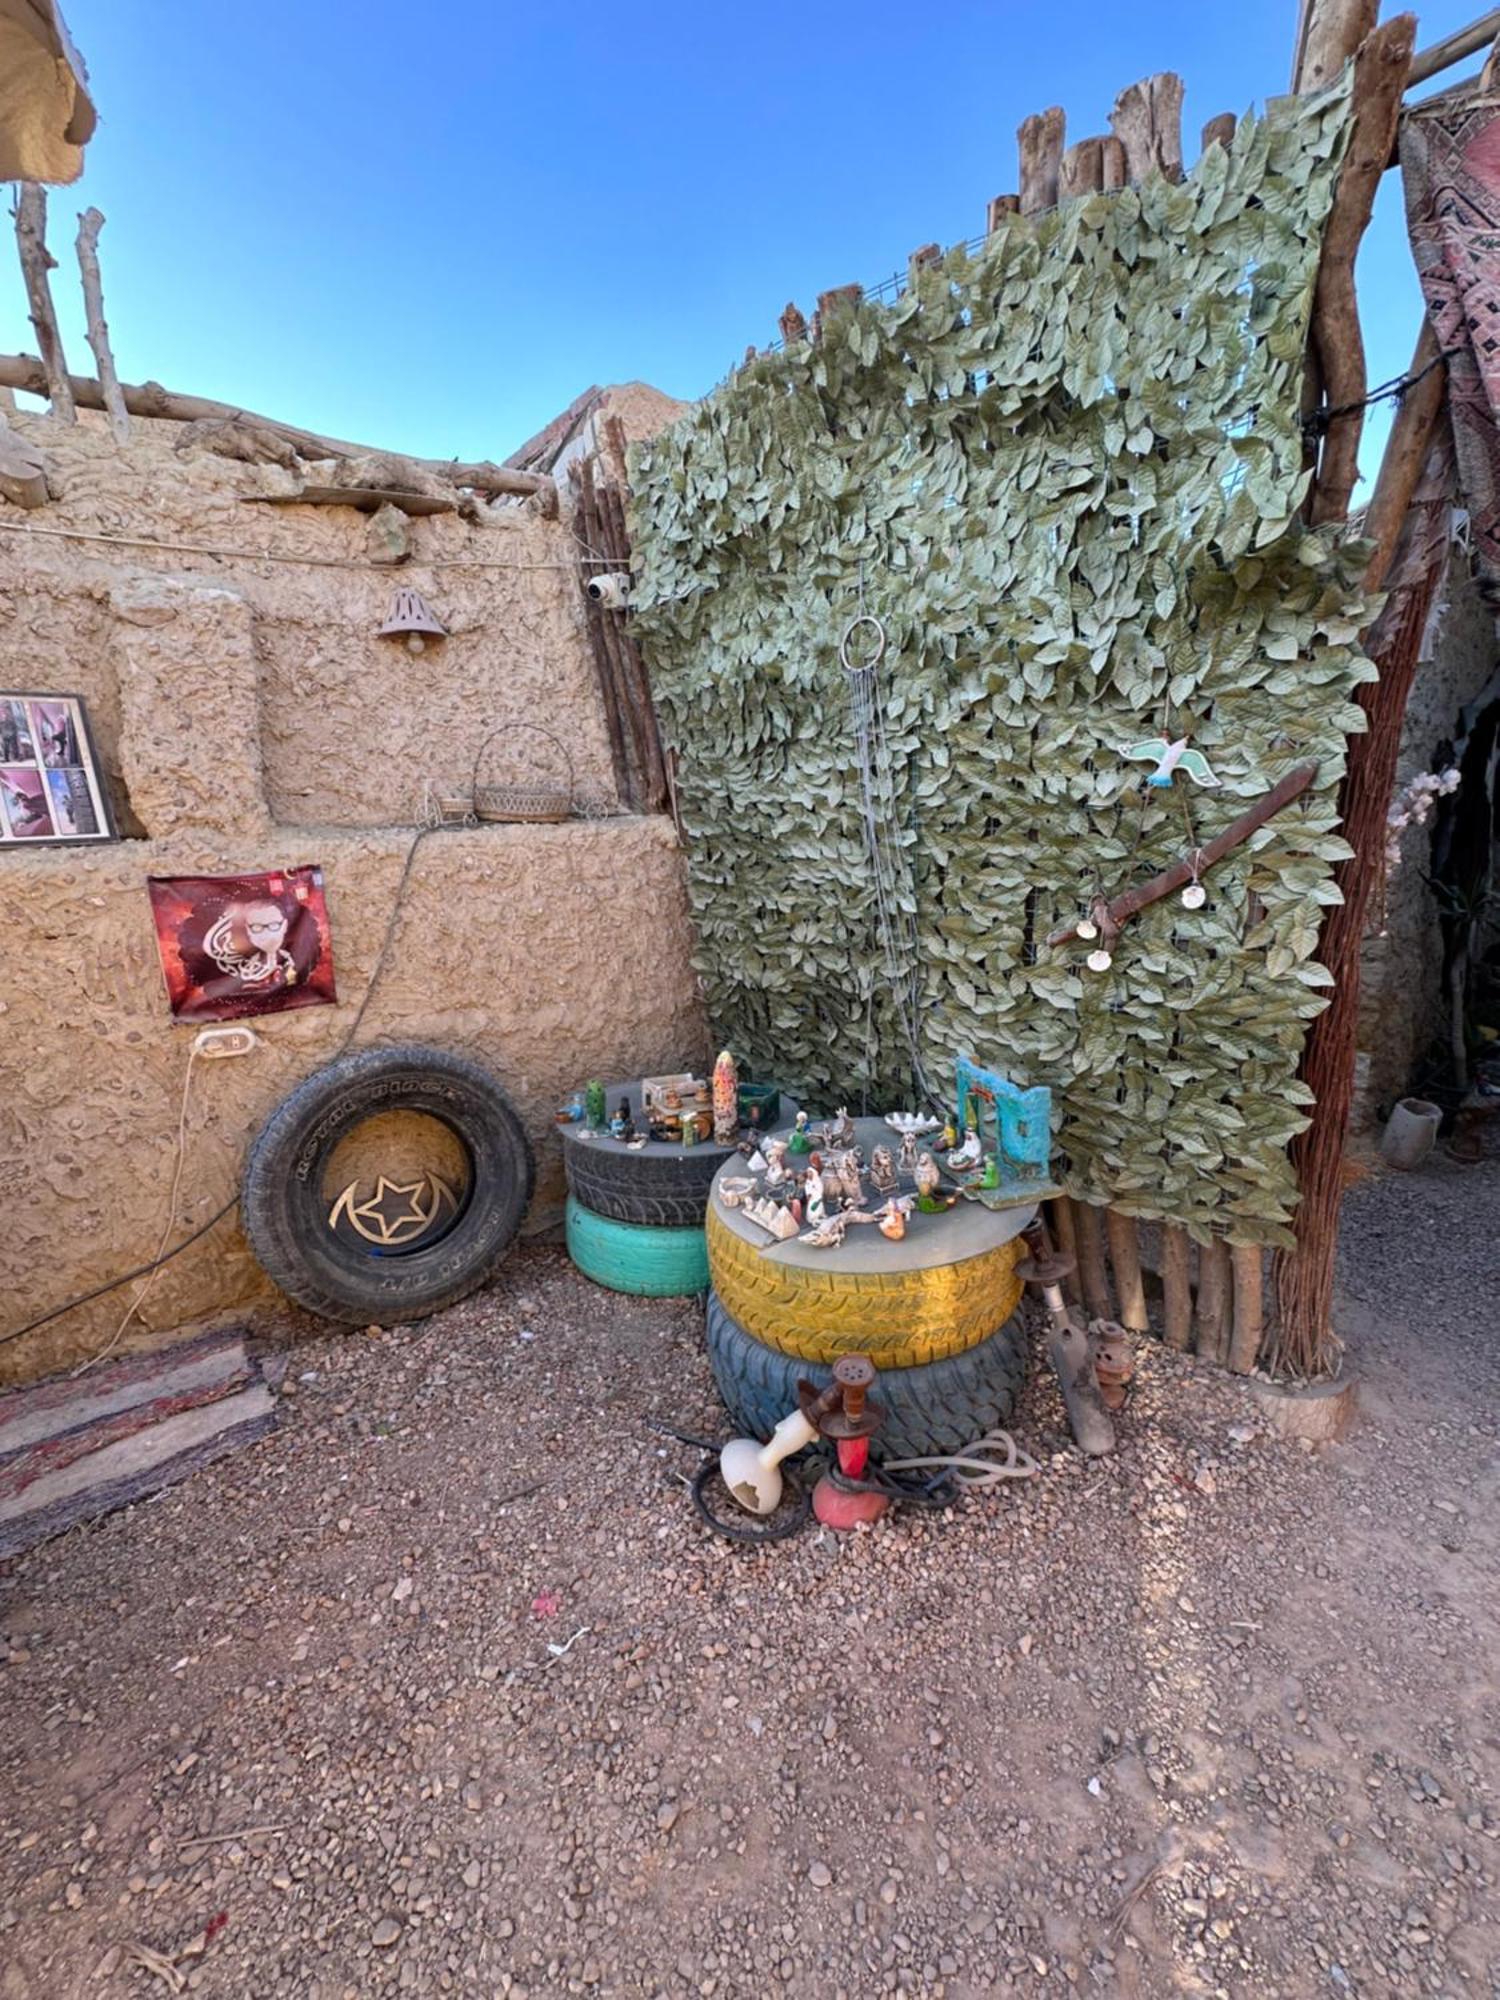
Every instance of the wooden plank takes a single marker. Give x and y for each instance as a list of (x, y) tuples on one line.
[(1147, 121), (1125, 1260), (1380, 73), (1092, 1273), (1081, 170), (1247, 1261), (1177, 1288), (1040, 144), (1213, 1300), (1065, 1229)]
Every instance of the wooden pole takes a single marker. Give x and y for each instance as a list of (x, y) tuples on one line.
[(1247, 1263), (1092, 1275), (611, 694), (1328, 33), (1125, 1258), (1000, 206), (1453, 48), (1380, 72), (1219, 131), (1082, 169), (90, 222), (793, 324), (1304, 1277), (1040, 143), (23, 469), (1213, 1300), (36, 261), (1406, 450), (637, 680), (150, 399), (1147, 121), (1177, 1308), (1065, 1227), (1115, 172)]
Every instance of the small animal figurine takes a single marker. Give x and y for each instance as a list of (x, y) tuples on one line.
[(841, 1132), (851, 1184), (775, 1152), (990, 1175), (926, 1174), (800, 1141), (906, 1159), (622, 1125), (1170, 757), (883, 1170), (893, 1221), (828, 1233)]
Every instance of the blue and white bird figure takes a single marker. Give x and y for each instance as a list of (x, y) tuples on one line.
[(1170, 757)]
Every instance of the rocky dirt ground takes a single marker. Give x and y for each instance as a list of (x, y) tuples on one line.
[(444, 1689)]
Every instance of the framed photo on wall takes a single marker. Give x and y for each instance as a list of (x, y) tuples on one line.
[(51, 791)]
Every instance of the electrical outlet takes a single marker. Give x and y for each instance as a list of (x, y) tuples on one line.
[(226, 1041)]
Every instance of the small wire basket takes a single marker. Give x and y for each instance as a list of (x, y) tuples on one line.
[(532, 797)]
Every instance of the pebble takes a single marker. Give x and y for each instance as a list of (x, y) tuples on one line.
[(386, 1933), (820, 1875)]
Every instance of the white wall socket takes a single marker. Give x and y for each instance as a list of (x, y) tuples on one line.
[(226, 1041)]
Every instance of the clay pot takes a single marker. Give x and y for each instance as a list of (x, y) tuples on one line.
[(1410, 1133)]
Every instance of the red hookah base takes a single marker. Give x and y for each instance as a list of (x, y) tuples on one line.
[(838, 1509)]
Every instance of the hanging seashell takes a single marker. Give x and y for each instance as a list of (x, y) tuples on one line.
[(1099, 961), (1087, 928), (1194, 896)]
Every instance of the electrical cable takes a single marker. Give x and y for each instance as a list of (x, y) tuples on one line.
[(738, 1530), (274, 555), (150, 1269)]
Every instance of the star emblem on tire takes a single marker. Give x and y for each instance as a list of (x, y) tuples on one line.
[(397, 1213)]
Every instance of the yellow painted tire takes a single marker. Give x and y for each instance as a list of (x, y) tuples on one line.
[(901, 1319)]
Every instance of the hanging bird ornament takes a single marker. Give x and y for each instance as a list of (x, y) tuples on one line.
[(1170, 757)]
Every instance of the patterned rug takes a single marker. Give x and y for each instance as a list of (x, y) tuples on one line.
[(1450, 165)]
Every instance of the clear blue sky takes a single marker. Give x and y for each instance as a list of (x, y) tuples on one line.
[(429, 228)]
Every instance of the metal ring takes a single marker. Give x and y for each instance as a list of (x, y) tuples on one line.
[(861, 666)]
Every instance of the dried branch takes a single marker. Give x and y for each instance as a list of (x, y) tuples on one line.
[(90, 222), (36, 261)]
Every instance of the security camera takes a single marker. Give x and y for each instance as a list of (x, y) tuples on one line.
[(612, 590)]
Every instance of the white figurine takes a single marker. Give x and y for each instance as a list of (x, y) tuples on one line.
[(969, 1154), (906, 1159), (775, 1152), (812, 1192)]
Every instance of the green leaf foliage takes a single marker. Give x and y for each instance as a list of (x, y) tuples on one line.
[(1068, 470)]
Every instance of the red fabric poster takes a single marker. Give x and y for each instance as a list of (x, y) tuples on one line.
[(236, 945)]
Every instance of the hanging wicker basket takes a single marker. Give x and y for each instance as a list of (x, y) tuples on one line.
[(531, 797)]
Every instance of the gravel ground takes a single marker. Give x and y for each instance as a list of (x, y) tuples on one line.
[(1214, 1716)]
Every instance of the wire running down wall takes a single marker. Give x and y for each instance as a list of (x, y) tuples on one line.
[(1065, 473)]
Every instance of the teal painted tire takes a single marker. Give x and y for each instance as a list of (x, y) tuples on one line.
[(632, 1257)]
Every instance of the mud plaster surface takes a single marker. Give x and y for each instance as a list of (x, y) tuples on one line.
[(249, 719)]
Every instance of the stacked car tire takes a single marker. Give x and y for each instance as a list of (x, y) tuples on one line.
[(947, 1340)]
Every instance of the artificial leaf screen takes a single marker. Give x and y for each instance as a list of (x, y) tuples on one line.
[(1064, 472)]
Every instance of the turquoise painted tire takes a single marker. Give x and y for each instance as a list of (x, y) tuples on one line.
[(632, 1257)]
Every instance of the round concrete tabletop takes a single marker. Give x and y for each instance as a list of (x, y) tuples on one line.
[(968, 1229), (577, 1134)]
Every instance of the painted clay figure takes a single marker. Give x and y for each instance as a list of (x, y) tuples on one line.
[(622, 1125), (883, 1170), (893, 1221), (906, 1160), (775, 1152), (800, 1141), (726, 1099), (812, 1194), (842, 1130), (927, 1174)]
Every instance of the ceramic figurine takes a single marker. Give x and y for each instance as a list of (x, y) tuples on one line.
[(1170, 757), (594, 1106), (906, 1159), (883, 1170), (893, 1221), (971, 1152), (827, 1234), (812, 1192), (622, 1125), (990, 1177), (851, 1186), (800, 1141), (949, 1136), (841, 1132), (926, 1174), (726, 1099), (735, 1191), (755, 1160), (775, 1152)]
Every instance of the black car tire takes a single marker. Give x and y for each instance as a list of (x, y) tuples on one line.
[(664, 1193), (284, 1205), (939, 1406)]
